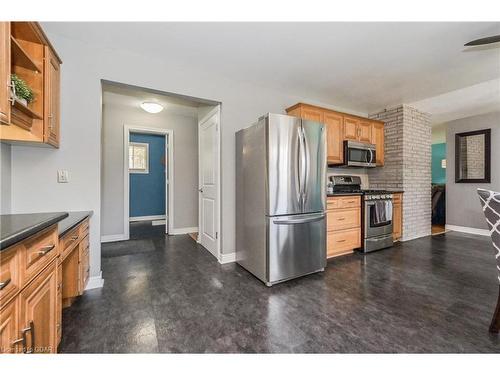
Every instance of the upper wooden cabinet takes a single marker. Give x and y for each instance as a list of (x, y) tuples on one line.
[(52, 88), (334, 137), (365, 131), (27, 53), (377, 136), (343, 127), (4, 72), (351, 128)]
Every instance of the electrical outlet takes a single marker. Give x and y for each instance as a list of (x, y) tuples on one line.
[(62, 176)]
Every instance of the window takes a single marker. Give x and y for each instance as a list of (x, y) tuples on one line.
[(138, 157)]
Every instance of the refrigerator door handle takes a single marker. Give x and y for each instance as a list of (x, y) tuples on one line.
[(307, 167), (299, 168), (303, 220), (303, 165)]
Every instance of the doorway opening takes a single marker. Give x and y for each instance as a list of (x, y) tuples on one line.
[(149, 177), (160, 166), (438, 188)]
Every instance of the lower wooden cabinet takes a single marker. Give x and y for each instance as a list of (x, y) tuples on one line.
[(343, 225), (35, 279), (38, 312), (10, 338), (75, 263), (397, 216), (59, 302)]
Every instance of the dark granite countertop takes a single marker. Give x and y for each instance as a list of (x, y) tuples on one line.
[(340, 194), (74, 218), (17, 227)]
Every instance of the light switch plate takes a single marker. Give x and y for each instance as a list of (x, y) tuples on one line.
[(62, 176)]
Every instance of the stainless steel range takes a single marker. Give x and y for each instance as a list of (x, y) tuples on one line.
[(376, 211)]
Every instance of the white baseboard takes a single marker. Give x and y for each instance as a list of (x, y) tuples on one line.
[(158, 222), (175, 231), (458, 228), (113, 238), (227, 258), (95, 282), (146, 218)]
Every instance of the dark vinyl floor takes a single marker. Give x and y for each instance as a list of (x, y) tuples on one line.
[(167, 294)]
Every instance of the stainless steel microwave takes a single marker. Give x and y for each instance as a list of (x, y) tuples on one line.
[(357, 154)]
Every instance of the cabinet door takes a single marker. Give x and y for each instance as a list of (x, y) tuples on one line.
[(59, 303), (4, 72), (397, 221), (365, 131), (52, 98), (351, 125), (9, 330), (71, 276), (378, 141), (312, 114), (334, 138), (38, 305), (84, 264)]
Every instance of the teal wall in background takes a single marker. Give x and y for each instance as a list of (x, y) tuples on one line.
[(438, 154)]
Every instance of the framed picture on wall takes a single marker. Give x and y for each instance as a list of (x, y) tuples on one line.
[(473, 156)]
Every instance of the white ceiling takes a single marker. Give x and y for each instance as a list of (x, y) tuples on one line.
[(362, 66), (122, 95)]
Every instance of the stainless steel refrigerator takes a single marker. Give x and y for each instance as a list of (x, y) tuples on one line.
[(281, 198)]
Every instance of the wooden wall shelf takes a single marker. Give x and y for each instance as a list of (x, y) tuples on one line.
[(27, 111), (21, 58)]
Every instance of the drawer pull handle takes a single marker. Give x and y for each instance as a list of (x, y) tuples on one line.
[(3, 284), (46, 249), (341, 240), (341, 218), (74, 238)]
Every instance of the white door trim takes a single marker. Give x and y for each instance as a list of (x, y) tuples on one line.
[(169, 188), (217, 111)]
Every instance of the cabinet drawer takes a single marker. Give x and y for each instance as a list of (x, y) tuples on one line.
[(9, 275), (342, 242), (344, 202), (36, 252), (343, 219), (69, 241), (84, 228)]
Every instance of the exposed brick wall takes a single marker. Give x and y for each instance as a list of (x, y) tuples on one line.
[(407, 166)]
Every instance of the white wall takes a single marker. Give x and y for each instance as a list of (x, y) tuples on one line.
[(462, 202), (34, 170), (5, 178), (185, 128)]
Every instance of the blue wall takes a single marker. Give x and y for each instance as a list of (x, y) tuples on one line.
[(438, 154), (147, 191)]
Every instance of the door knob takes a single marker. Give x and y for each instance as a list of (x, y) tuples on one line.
[(200, 190)]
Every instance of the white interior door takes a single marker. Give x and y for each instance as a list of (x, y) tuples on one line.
[(208, 183)]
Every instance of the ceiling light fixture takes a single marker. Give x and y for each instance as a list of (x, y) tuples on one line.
[(152, 107)]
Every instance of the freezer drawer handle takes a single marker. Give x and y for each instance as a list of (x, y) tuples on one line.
[(299, 221)]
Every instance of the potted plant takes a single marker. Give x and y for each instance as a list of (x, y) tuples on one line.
[(20, 90)]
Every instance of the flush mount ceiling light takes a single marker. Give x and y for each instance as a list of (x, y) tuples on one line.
[(152, 107)]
